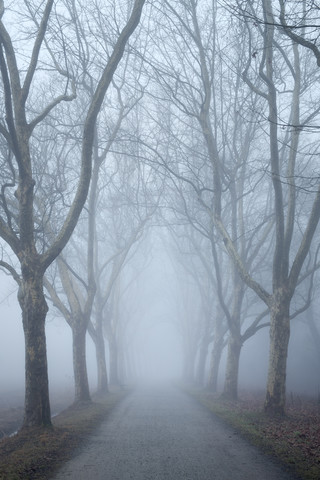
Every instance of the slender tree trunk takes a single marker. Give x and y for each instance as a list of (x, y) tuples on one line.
[(113, 358), (96, 333), (34, 310), (101, 363), (315, 334), (22, 241), (82, 393), (232, 371), (212, 385), (202, 360), (279, 340)]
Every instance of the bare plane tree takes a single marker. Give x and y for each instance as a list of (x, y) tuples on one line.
[(17, 222), (252, 179)]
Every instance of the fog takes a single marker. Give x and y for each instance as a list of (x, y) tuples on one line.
[(200, 211), (153, 341), (152, 337)]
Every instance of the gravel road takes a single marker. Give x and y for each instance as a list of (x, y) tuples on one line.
[(164, 434)]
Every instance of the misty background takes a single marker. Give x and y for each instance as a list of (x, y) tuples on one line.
[(197, 227), (155, 341)]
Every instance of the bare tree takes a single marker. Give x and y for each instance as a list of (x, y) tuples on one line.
[(79, 277), (288, 258), (17, 223), (204, 146), (255, 202), (130, 205)]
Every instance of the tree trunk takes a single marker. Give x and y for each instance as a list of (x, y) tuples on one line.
[(212, 385), (82, 393), (96, 333), (232, 370), (102, 386), (34, 310), (315, 334), (113, 357), (202, 360), (279, 341)]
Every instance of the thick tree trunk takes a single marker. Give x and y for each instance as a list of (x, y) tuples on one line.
[(279, 341), (102, 386), (34, 310), (230, 390), (212, 384), (82, 392)]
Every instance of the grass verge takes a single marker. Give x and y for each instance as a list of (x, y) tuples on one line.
[(294, 440), (38, 453)]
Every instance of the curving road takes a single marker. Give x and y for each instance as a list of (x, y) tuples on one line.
[(164, 434)]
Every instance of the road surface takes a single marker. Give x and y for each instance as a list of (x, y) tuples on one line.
[(163, 434)]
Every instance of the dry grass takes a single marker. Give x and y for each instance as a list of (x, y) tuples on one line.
[(293, 439), (37, 453)]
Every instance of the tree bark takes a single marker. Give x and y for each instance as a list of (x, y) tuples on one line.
[(279, 340), (96, 333), (232, 372), (202, 360), (113, 358), (212, 385), (82, 392), (34, 309), (315, 335), (21, 238), (102, 374)]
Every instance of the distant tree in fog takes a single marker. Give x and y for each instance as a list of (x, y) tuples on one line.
[(78, 275), (38, 78), (299, 20), (131, 206), (189, 250), (119, 208), (271, 67), (253, 171), (200, 130)]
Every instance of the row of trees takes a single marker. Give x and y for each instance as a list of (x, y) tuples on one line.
[(237, 143), (211, 137), (47, 66)]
